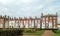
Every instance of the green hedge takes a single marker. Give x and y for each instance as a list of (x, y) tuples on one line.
[(11, 32)]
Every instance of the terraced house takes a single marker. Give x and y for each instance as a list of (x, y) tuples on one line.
[(48, 21)]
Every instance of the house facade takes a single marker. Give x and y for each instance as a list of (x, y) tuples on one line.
[(1, 21), (46, 21), (49, 21)]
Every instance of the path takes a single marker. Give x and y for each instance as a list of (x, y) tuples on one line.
[(48, 33)]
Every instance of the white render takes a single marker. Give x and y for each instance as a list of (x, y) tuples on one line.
[(43, 25), (6, 25), (26, 24), (1, 25), (32, 24), (38, 24), (50, 24), (21, 24), (11, 24)]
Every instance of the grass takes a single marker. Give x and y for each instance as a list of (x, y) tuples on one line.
[(57, 33), (34, 33), (15, 31), (37, 33)]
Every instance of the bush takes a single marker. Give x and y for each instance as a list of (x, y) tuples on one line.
[(38, 29), (55, 31), (30, 31), (11, 32)]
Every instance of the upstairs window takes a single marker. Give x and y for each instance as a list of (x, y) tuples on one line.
[(54, 21), (54, 18), (43, 18), (46, 18), (50, 17)]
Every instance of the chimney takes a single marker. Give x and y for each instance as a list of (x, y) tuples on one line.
[(14, 17), (0, 16), (56, 13), (35, 17), (41, 14), (5, 16), (30, 17), (25, 17), (19, 17), (8, 17)]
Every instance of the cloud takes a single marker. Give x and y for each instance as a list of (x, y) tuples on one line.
[(27, 1), (6, 1), (17, 1), (21, 8)]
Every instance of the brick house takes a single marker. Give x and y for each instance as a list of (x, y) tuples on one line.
[(1, 21), (49, 21)]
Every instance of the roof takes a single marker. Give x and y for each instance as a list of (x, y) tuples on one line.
[(47, 15)]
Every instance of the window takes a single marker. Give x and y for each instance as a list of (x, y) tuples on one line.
[(54, 26), (50, 20), (16, 21), (46, 24), (35, 21), (1, 25), (38, 21), (43, 22), (54, 17), (46, 21), (27, 22), (54, 21), (46, 18), (43, 18), (11, 22), (30, 21), (50, 24), (50, 17), (24, 21)]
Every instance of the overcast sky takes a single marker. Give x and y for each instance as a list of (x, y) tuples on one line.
[(21, 8)]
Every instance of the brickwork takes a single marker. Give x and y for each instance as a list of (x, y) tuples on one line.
[(46, 21)]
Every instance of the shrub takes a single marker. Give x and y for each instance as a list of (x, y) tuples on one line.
[(30, 31)]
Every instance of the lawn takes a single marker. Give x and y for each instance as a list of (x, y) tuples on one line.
[(37, 32), (34, 33), (57, 33)]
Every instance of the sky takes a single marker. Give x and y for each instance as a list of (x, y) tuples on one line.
[(21, 8)]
